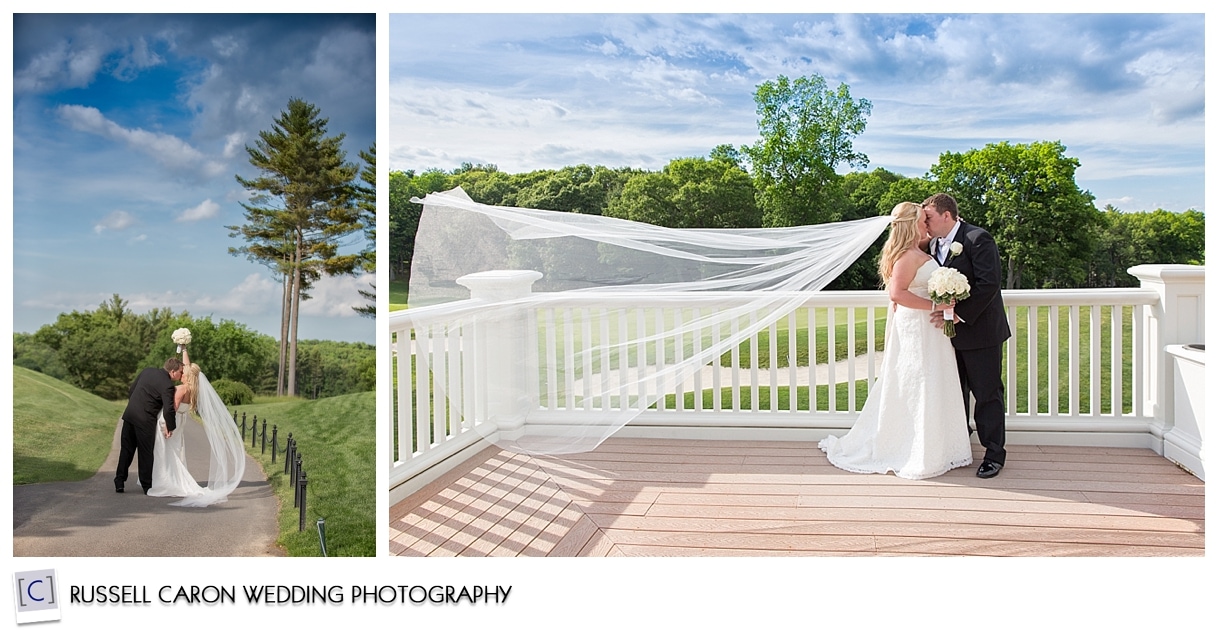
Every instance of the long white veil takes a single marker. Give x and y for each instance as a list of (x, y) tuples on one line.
[(227, 451), (610, 359)]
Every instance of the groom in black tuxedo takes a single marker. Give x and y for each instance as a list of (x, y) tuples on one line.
[(151, 393), (981, 327)]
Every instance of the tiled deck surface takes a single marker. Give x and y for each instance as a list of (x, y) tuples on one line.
[(641, 497)]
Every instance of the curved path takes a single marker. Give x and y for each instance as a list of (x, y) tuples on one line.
[(88, 518)]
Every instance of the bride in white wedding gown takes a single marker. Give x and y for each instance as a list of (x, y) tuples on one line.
[(196, 401), (913, 421)]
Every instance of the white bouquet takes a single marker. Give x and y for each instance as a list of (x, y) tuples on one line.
[(947, 284), (181, 337)]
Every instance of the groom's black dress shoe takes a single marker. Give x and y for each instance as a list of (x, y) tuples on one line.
[(118, 488), (146, 489), (988, 469)]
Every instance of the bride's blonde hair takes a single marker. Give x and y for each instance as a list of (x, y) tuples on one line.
[(903, 233), (190, 378)]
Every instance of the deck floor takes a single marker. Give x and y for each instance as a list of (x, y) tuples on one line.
[(653, 497)]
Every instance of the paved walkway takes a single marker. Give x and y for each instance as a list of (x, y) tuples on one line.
[(88, 518)]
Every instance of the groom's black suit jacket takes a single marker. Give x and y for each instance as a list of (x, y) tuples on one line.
[(985, 319), (152, 392)]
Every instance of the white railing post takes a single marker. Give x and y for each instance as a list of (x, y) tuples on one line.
[(1178, 318), (504, 346)]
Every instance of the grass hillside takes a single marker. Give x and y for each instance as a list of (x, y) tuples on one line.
[(336, 437), (60, 432)]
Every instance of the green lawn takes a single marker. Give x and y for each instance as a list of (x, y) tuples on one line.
[(398, 290), (65, 432), (336, 438)]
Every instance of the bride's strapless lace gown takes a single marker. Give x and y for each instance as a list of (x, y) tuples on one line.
[(226, 453), (913, 422)]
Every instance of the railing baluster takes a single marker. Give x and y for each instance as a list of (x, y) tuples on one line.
[(1012, 350), (1115, 364), (569, 354), (1054, 360), (606, 359), (792, 360), (831, 343), (426, 391), (850, 378), (1033, 314), (551, 360), (678, 323), (1096, 370), (812, 376), (773, 331)]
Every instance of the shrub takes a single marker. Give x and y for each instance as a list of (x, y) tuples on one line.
[(233, 392)]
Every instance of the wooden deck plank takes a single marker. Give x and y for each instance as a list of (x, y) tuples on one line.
[(655, 497)]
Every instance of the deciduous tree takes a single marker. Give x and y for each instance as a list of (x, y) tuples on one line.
[(807, 131)]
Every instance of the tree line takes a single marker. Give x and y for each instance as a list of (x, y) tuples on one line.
[(101, 351), (1048, 230)]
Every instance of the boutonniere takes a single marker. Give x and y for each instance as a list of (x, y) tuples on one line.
[(954, 250)]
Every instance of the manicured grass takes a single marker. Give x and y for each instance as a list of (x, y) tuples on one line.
[(398, 290), (336, 438), (61, 433)]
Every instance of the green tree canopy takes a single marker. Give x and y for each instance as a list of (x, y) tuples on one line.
[(807, 131), (1026, 196), (690, 193)]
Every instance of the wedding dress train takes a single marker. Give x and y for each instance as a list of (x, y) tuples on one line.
[(170, 476), (913, 421)]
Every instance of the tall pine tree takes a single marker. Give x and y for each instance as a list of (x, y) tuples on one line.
[(304, 203)]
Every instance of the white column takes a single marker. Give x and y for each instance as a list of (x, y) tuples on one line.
[(505, 347), (1179, 318)]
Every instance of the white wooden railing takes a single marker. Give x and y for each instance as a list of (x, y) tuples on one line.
[(1100, 353)]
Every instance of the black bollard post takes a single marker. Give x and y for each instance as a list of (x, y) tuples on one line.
[(296, 468), (234, 417), (303, 483), (274, 442), (287, 461), (243, 427), (264, 436)]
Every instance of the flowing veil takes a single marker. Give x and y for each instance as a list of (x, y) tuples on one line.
[(638, 309), (227, 451)]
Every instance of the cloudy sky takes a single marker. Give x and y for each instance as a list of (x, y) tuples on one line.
[(1124, 93), (128, 131)]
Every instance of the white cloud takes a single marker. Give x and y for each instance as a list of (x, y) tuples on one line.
[(255, 294), (117, 220), (335, 296), (59, 67), (169, 151), (206, 210), (233, 144)]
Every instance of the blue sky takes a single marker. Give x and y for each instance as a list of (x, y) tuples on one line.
[(128, 131), (1123, 92)]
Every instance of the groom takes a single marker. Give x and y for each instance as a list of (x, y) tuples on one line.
[(981, 320), (151, 393)]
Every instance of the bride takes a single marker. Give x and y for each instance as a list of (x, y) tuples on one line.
[(913, 421), (195, 398)]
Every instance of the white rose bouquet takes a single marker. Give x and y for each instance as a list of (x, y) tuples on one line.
[(945, 285), (181, 337)]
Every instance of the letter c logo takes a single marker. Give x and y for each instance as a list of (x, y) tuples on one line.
[(29, 590)]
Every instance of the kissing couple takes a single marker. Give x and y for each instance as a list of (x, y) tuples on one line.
[(152, 430), (915, 420)]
